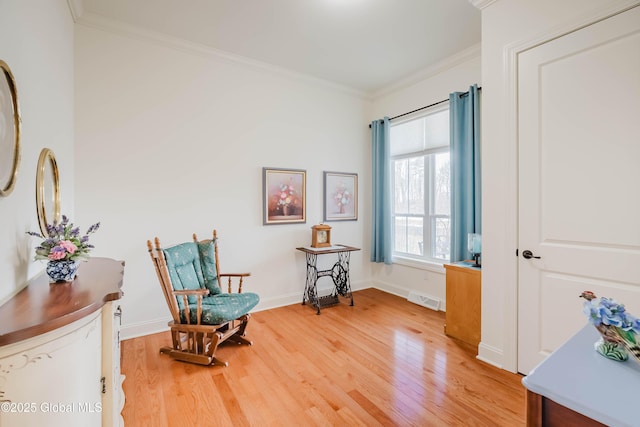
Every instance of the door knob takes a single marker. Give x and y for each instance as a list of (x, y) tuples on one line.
[(527, 254)]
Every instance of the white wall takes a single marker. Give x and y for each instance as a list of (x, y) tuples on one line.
[(36, 41), (454, 75), (509, 26), (171, 140)]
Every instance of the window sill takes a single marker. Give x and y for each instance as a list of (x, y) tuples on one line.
[(437, 267)]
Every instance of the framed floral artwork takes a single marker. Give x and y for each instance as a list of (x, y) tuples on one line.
[(340, 196), (284, 196)]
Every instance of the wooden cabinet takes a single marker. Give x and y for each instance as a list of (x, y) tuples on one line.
[(462, 318)]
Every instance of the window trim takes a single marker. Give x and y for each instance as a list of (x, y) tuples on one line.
[(421, 264)]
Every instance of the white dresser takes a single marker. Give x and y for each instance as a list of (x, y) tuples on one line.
[(576, 385), (60, 350)]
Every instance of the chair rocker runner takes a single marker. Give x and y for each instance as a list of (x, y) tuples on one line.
[(203, 315)]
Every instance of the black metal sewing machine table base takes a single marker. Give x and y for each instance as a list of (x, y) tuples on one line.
[(339, 273)]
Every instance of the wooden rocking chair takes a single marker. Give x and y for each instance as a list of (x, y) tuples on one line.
[(203, 315)]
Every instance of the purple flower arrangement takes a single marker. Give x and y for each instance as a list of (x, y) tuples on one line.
[(64, 242)]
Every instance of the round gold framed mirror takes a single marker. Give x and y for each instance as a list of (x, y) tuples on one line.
[(47, 190), (9, 130)]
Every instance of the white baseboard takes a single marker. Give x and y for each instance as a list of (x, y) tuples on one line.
[(135, 330), (399, 291), (491, 355), (389, 288), (281, 301)]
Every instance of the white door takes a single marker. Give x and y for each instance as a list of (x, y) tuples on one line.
[(579, 180)]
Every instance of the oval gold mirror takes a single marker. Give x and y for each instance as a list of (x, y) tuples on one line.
[(9, 130), (47, 190)]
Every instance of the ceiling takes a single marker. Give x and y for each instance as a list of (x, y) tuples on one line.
[(365, 45)]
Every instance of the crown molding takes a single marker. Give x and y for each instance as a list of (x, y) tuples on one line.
[(98, 22), (481, 4), (466, 55), (76, 8)]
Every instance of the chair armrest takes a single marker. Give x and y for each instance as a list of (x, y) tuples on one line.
[(192, 292), (230, 276)]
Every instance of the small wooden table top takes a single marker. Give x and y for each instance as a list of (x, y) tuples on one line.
[(329, 249)]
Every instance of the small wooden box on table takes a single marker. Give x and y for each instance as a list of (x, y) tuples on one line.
[(339, 273), (462, 318)]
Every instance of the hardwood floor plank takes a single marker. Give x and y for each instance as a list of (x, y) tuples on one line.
[(372, 409), (382, 362)]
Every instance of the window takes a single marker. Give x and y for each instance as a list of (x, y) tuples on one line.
[(421, 186)]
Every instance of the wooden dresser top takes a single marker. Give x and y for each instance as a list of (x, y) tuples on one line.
[(42, 307)]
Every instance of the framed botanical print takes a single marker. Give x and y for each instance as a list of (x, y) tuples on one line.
[(284, 196), (340, 196)]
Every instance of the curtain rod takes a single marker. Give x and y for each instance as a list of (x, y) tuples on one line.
[(428, 106)]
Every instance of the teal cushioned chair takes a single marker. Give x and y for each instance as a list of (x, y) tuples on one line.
[(203, 315)]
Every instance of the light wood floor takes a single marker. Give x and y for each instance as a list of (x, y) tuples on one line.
[(384, 361)]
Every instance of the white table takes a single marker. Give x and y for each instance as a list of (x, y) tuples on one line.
[(577, 378)]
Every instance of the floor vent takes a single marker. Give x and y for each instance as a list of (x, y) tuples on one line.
[(424, 300)]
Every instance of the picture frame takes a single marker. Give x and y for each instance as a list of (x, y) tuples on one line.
[(340, 196), (10, 123), (47, 190), (284, 196)]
